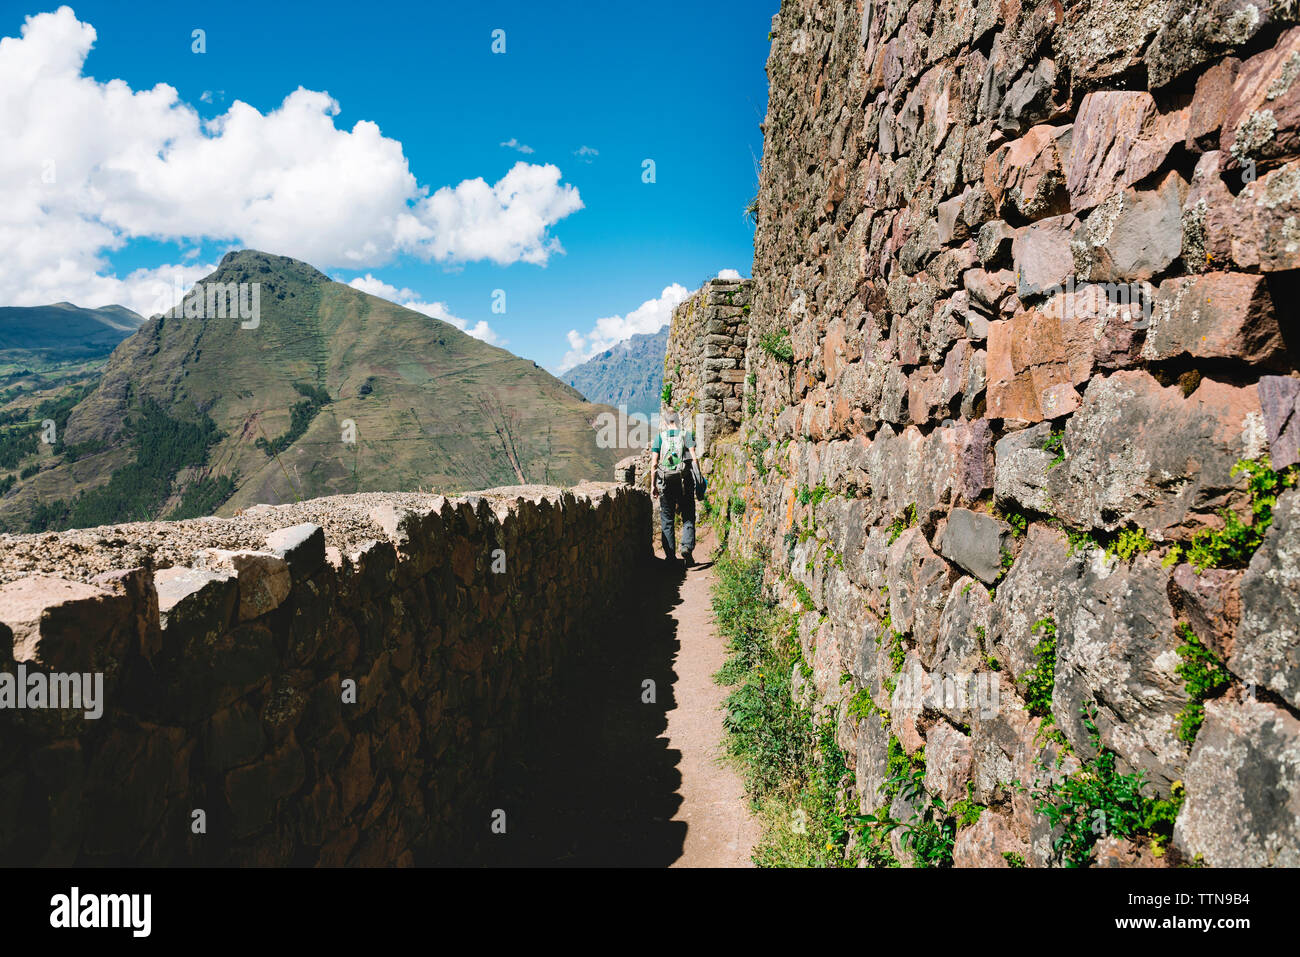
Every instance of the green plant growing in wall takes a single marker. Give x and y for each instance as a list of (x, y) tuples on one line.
[(803, 594), (792, 767), (930, 833), (812, 496), (902, 523), (1018, 521), (777, 345), (862, 706), (1098, 801), (756, 448), (666, 394), (1233, 545), (1055, 443), (1040, 680), (1129, 543), (1203, 675)]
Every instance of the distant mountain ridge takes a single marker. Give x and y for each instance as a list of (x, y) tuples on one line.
[(62, 333), (331, 391), (630, 374)]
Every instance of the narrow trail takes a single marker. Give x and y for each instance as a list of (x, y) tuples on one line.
[(613, 780), (720, 831)]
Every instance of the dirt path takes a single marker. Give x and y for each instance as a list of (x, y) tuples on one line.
[(610, 779), (720, 831)]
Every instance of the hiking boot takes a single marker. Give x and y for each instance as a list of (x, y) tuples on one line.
[(688, 559)]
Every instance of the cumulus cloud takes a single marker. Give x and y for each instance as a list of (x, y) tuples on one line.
[(729, 274), (89, 166), (408, 299), (586, 153), (651, 316), (514, 144)]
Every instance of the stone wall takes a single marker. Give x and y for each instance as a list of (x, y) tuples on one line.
[(705, 361), (334, 682), (1038, 263)]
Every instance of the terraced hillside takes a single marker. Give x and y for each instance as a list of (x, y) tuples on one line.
[(331, 391)]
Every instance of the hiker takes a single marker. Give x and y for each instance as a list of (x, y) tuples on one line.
[(673, 469)]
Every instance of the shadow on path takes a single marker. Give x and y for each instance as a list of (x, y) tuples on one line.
[(597, 784)]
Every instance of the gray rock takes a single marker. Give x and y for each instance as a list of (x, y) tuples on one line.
[(1267, 648), (200, 602), (872, 770), (1209, 601), (264, 579), (1147, 454), (1215, 315), (1023, 468), (993, 247), (1028, 594), (1116, 649), (976, 542), (1029, 100), (1243, 788), (918, 584), (959, 646), (985, 843), (1193, 32), (302, 546), (1132, 235), (1279, 398), (948, 761)]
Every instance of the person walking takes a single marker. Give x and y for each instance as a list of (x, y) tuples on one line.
[(672, 469)]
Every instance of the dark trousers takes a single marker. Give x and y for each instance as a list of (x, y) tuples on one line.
[(676, 497)]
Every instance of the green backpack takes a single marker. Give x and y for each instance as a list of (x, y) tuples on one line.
[(672, 452)]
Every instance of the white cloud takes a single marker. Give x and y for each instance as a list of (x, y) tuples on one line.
[(651, 316), (410, 299), (729, 274), (514, 144), (586, 153), (88, 166)]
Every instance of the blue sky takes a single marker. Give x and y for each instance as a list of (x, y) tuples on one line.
[(681, 84)]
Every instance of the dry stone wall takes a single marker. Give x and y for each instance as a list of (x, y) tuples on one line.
[(1038, 263), (334, 682), (705, 361)]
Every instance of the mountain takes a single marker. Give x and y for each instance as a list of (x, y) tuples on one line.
[(630, 374), (330, 390), (45, 336)]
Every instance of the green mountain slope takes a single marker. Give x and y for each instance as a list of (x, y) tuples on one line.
[(630, 374), (334, 391), (44, 337)]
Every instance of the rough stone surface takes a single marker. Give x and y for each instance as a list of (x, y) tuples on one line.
[(1215, 316), (1035, 262), (1279, 399), (1243, 788), (1146, 454), (976, 542), (345, 712), (1267, 646), (1116, 652)]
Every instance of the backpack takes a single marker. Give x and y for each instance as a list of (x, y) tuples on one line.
[(672, 452)]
